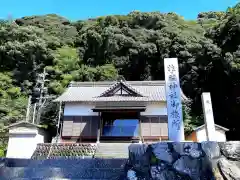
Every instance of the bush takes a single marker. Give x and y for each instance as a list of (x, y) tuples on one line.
[(3, 149)]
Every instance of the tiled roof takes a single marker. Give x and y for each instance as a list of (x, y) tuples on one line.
[(216, 126), (90, 91), (21, 123)]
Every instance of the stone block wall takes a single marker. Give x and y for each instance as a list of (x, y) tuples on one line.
[(61, 150), (184, 161)]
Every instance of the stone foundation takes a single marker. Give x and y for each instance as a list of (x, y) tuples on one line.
[(159, 161), (184, 161)]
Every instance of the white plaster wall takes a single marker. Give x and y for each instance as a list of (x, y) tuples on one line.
[(155, 109), (22, 144), (78, 109), (202, 136)]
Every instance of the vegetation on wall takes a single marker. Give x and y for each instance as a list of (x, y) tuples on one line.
[(133, 46)]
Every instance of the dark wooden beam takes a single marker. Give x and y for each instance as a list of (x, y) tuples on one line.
[(119, 109)]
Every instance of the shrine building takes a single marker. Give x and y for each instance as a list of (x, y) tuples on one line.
[(114, 111)]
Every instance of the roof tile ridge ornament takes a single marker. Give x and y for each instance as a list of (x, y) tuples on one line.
[(110, 83), (124, 83), (91, 83), (133, 89), (109, 89)]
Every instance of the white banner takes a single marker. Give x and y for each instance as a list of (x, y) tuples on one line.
[(208, 116), (173, 97)]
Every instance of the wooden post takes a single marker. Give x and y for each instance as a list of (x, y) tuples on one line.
[(140, 128), (99, 128), (159, 121)]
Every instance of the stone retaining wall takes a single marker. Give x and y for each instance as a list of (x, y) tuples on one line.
[(184, 161), (57, 150)]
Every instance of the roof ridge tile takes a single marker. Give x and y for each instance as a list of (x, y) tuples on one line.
[(109, 83)]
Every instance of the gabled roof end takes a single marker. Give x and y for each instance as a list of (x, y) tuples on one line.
[(23, 123), (217, 126)]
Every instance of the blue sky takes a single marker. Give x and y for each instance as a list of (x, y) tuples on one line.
[(83, 9)]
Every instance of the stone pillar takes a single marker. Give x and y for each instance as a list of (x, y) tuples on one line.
[(208, 116), (173, 97)]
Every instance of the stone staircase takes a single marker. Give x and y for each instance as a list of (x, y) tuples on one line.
[(112, 150), (81, 169)]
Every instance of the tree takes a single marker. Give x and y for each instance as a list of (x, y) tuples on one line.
[(133, 46)]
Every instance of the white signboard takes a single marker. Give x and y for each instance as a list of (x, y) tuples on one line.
[(174, 104), (208, 116)]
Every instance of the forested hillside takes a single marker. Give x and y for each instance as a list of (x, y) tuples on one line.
[(133, 46)]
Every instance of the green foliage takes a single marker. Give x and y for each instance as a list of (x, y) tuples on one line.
[(133, 46), (69, 67), (153, 160), (190, 121), (3, 149), (53, 26), (3, 143), (12, 101)]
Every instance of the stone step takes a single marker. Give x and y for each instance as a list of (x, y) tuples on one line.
[(113, 145), (77, 173), (65, 163), (115, 152), (111, 156), (112, 150), (50, 179)]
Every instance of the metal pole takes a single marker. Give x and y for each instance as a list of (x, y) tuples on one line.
[(42, 87), (40, 104), (34, 113), (39, 111), (28, 108), (59, 115)]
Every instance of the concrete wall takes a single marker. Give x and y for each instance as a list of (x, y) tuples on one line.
[(23, 142), (220, 135)]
